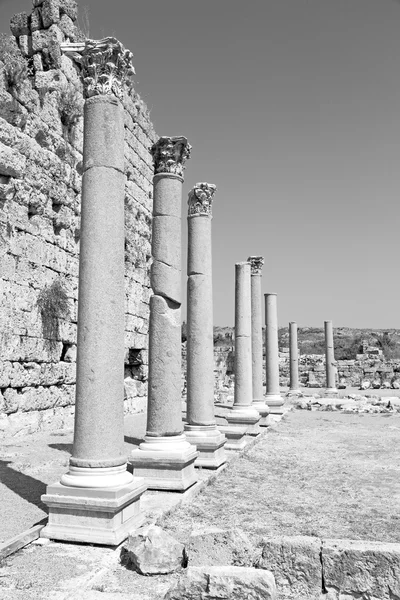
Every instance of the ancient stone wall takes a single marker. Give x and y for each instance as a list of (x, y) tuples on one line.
[(41, 136)]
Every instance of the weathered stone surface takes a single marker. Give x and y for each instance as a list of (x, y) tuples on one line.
[(12, 163), (359, 570), (36, 19), (69, 8), (19, 24), (296, 565), (50, 12), (152, 551), (220, 547), (224, 583)]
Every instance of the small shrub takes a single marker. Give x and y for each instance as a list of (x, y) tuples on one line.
[(16, 68), (53, 306), (70, 106)]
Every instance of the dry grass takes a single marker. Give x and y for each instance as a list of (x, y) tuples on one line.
[(329, 475)]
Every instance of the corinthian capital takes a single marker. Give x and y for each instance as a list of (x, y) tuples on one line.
[(170, 154), (200, 199), (256, 264), (106, 67)]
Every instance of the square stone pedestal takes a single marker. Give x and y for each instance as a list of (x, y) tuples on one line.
[(210, 446), (235, 437), (331, 392), (275, 403), (96, 516), (165, 464)]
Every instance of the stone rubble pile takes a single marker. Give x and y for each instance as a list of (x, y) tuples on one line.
[(353, 403)]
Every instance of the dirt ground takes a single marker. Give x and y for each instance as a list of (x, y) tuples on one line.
[(316, 473)]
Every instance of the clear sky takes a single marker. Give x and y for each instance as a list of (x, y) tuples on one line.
[(293, 110)]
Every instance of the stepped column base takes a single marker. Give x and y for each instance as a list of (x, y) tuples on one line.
[(331, 392), (244, 416), (235, 437), (209, 442), (166, 463), (263, 410), (94, 515)]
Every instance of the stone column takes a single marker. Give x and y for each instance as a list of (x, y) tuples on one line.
[(256, 265), (98, 500), (330, 360), (243, 412), (273, 396), (201, 429), (294, 360), (166, 458)]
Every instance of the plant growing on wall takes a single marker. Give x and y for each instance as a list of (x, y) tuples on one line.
[(53, 306), (16, 68), (70, 106)]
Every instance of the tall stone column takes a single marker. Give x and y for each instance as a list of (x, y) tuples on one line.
[(98, 500), (243, 412), (294, 360), (330, 360), (201, 429), (256, 265), (273, 396), (166, 458)]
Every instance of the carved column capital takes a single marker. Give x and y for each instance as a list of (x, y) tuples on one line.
[(170, 155), (200, 199), (106, 67), (256, 264)]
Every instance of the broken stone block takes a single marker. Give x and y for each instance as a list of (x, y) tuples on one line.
[(224, 583), (296, 565), (36, 19), (25, 45), (361, 569), (220, 547), (152, 551), (69, 8), (68, 28), (50, 12), (12, 163), (19, 24)]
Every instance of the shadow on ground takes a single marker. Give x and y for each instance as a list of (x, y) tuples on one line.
[(26, 487)]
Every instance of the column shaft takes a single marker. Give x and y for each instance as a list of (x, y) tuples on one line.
[(294, 358), (164, 388), (99, 411), (273, 396), (329, 357), (256, 337), (200, 344), (243, 356)]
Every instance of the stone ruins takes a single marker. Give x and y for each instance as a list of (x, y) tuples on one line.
[(91, 250)]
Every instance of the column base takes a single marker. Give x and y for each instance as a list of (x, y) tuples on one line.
[(294, 392), (331, 392), (167, 463), (275, 403), (263, 410), (235, 437), (209, 442), (246, 416), (93, 515)]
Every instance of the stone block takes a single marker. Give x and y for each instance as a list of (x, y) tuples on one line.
[(296, 565), (166, 281), (224, 583), (50, 12), (215, 546), (25, 45), (68, 28), (152, 551), (361, 569), (69, 8), (12, 163), (36, 19), (19, 24)]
